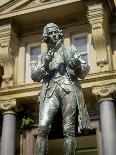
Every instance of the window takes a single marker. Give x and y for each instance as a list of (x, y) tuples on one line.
[(33, 50), (81, 43)]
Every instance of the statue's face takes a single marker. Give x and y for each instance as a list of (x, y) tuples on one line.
[(53, 35)]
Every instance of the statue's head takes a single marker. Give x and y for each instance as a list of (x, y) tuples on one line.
[(51, 34)]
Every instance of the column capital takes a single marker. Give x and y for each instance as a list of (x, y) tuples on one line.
[(105, 99), (9, 105), (104, 91)]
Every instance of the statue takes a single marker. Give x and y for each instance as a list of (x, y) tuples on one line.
[(60, 68)]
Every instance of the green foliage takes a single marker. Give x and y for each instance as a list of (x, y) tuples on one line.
[(26, 122)]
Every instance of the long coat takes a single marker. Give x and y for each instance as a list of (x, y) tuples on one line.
[(75, 68)]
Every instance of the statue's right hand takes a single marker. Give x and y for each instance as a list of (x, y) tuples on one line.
[(49, 56)]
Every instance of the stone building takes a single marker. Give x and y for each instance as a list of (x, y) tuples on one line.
[(88, 24)]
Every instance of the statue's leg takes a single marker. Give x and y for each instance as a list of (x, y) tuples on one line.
[(46, 115), (69, 112)]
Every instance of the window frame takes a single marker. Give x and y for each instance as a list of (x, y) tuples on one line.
[(88, 40), (28, 62)]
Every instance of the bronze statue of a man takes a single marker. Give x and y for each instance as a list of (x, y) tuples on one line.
[(60, 68)]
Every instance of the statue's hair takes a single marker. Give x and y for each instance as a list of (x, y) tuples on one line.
[(45, 35)]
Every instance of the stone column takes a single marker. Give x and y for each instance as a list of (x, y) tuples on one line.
[(96, 125), (105, 93), (9, 127)]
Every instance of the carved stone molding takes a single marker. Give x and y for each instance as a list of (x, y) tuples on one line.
[(104, 91), (17, 5), (34, 3), (8, 50), (98, 21), (10, 105), (4, 43), (95, 13)]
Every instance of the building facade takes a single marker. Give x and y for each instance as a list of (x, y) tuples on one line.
[(88, 24)]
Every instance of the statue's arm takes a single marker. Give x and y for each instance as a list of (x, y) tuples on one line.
[(79, 65), (82, 69), (39, 71)]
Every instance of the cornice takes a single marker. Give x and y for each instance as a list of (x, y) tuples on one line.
[(33, 89), (12, 5), (20, 91), (97, 77), (33, 8)]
